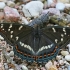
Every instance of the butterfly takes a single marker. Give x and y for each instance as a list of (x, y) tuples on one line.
[(37, 43)]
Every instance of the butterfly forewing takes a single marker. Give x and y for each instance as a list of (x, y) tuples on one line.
[(12, 30), (57, 34)]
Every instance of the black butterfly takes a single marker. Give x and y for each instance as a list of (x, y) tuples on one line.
[(35, 43)]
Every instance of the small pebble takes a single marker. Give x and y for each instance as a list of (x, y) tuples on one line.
[(60, 69), (2, 5), (51, 3), (43, 68), (10, 3), (47, 65), (64, 53), (67, 57), (61, 62), (37, 69), (69, 67), (24, 67), (52, 68), (1, 16), (68, 47), (60, 6), (24, 21), (59, 57), (54, 11), (11, 53)]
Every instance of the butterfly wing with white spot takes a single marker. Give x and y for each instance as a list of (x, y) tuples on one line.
[(57, 34), (11, 30)]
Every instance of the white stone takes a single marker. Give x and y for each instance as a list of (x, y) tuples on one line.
[(6, 66), (61, 62), (1, 38), (11, 14), (24, 67), (11, 53), (9, 59), (64, 53), (66, 63), (49, 2), (68, 67), (2, 5), (10, 3), (68, 47), (24, 21), (33, 9), (60, 6), (47, 66), (67, 5), (67, 57), (60, 68), (58, 57)]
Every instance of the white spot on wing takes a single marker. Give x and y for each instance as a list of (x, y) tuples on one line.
[(10, 26), (22, 44), (46, 47), (62, 35), (2, 29), (56, 40), (17, 38), (8, 29), (49, 46), (61, 39), (11, 36), (26, 46), (53, 29), (20, 27), (65, 33), (11, 32), (64, 30), (1, 25)]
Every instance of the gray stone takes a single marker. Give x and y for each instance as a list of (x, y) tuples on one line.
[(10, 3), (51, 10), (60, 6), (69, 67), (33, 9), (2, 5)]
